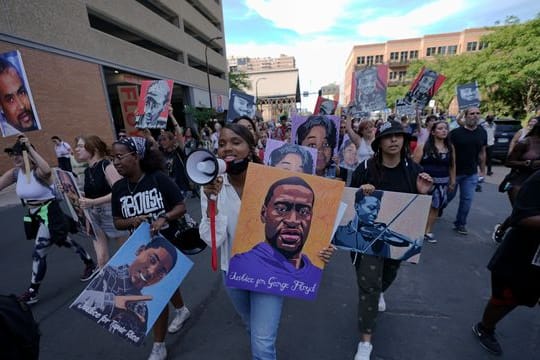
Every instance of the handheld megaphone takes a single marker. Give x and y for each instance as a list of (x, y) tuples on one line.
[(203, 167)]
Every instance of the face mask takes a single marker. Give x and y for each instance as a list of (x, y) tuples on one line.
[(237, 167)]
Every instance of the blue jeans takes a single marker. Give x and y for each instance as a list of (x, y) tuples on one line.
[(261, 314), (466, 185)]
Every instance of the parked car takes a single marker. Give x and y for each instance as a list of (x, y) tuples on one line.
[(504, 132)]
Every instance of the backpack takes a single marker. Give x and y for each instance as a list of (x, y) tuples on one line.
[(19, 332)]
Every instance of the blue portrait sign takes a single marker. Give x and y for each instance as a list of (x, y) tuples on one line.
[(128, 294)]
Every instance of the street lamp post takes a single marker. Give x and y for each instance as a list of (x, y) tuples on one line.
[(257, 90), (207, 68)]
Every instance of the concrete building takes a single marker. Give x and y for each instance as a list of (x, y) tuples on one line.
[(85, 60), (247, 64), (274, 82), (399, 53)]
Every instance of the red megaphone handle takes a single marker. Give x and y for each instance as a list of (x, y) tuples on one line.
[(212, 208)]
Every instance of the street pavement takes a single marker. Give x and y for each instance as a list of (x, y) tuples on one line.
[(430, 307)]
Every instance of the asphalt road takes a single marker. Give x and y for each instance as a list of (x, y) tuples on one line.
[(430, 307)]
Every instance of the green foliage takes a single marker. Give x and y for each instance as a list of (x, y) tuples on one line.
[(200, 115), (507, 71), (395, 92), (239, 81)]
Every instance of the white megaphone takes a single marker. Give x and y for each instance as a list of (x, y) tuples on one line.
[(203, 167)]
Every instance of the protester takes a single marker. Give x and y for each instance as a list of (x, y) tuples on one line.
[(140, 164), (521, 133), (362, 139), (175, 162), (389, 169), (490, 127), (469, 141), (281, 128), (437, 157), (99, 177), (122, 134), (63, 153), (249, 124), (215, 137), (259, 311), (422, 133), (191, 140), (515, 266), (44, 222), (524, 160)]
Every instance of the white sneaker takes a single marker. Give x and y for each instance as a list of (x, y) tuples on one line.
[(382, 303), (364, 351), (180, 317), (159, 351)]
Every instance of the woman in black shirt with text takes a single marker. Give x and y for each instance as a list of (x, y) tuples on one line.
[(146, 193)]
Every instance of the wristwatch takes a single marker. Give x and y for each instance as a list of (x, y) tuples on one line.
[(164, 215)]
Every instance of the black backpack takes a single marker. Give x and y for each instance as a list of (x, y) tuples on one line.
[(19, 332)]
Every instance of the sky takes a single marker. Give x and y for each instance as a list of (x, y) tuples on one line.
[(321, 34)]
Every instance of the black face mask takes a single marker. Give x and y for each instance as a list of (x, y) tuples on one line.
[(237, 167)]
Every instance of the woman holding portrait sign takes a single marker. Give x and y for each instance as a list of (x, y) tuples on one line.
[(260, 312)]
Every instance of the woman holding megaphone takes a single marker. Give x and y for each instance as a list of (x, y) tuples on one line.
[(259, 311)]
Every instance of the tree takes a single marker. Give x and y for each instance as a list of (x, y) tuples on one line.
[(239, 81), (507, 71), (201, 116)]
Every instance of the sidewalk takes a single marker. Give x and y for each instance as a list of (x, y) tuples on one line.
[(8, 197)]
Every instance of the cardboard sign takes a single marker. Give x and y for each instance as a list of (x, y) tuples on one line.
[(128, 294), (290, 156), (424, 88), (285, 220), (153, 104), (385, 223), (240, 104), (368, 90), (17, 109), (468, 95)]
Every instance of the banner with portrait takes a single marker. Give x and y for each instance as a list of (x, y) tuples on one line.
[(368, 90), (240, 104), (153, 104), (285, 220), (403, 108), (424, 87), (17, 109), (468, 95), (306, 130), (325, 106), (71, 194), (384, 223), (130, 291), (288, 156)]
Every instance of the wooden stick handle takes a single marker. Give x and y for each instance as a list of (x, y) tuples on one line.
[(26, 165)]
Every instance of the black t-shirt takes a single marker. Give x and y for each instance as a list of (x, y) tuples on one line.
[(153, 195), (512, 260), (401, 178), (468, 144), (95, 181), (175, 168)]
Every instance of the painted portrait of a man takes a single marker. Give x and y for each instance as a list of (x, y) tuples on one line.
[(153, 104), (285, 220), (17, 110)]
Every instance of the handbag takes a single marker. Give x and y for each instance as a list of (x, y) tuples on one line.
[(187, 238)]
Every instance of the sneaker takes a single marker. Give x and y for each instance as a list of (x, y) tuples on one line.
[(430, 238), (180, 317), (497, 234), (29, 297), (487, 340), (461, 229), (478, 188), (159, 351), (382, 303), (364, 351), (90, 270)]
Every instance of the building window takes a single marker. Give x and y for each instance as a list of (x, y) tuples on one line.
[(369, 60), (430, 51), (379, 59), (482, 45), (452, 49), (413, 54), (471, 46), (360, 60), (394, 56), (393, 75), (403, 56), (401, 75), (441, 50)]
